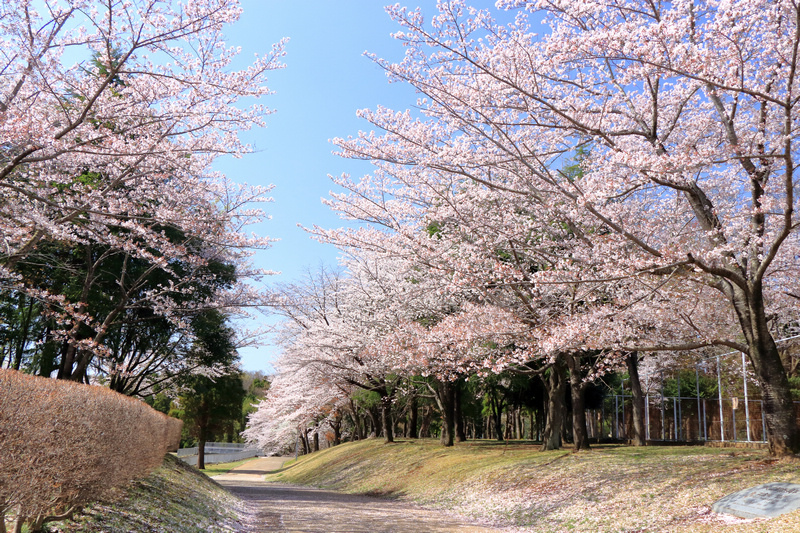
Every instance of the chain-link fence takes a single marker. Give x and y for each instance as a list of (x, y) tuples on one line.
[(681, 419)]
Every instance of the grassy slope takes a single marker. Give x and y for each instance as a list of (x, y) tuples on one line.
[(611, 488), (217, 469), (175, 498)]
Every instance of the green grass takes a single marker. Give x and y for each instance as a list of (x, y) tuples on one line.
[(175, 498), (611, 488), (223, 468)]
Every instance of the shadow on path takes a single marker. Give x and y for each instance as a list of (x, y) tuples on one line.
[(276, 507)]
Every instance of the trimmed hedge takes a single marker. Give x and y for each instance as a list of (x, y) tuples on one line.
[(63, 444)]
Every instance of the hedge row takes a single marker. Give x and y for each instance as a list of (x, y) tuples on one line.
[(63, 443)]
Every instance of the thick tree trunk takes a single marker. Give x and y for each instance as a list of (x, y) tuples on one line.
[(779, 410), (580, 435), (386, 419), (444, 393), (556, 407), (638, 413), (304, 442), (316, 441), (783, 434)]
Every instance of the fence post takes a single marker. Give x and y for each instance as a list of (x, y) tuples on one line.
[(663, 418), (746, 406), (719, 395), (602, 417), (705, 422), (679, 418), (697, 387), (675, 418)]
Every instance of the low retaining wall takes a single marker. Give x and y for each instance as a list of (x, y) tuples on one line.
[(216, 447), (213, 458), (218, 452)]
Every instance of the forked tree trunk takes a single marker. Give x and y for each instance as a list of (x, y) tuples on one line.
[(638, 411), (556, 407), (304, 441)]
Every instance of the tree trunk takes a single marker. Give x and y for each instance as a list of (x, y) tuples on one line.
[(304, 442), (336, 425), (425, 426), (638, 400), (458, 417), (201, 447), (316, 440), (373, 420), (359, 435), (779, 410), (444, 393), (580, 435), (386, 419), (556, 407), (413, 415), (496, 404), (783, 434)]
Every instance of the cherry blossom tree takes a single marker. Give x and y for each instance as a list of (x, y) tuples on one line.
[(685, 115), (111, 114)]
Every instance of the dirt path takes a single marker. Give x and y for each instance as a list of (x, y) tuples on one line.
[(276, 507)]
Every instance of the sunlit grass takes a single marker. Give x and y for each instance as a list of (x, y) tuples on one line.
[(223, 468), (610, 488)]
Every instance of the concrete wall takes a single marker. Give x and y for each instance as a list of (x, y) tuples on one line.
[(218, 452)]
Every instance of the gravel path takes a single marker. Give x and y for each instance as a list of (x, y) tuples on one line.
[(275, 507)]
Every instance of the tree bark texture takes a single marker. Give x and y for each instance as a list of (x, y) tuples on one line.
[(458, 416), (413, 415), (444, 392), (783, 435), (638, 412), (386, 419), (580, 435), (556, 407)]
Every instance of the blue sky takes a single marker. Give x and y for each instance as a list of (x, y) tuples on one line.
[(326, 80)]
